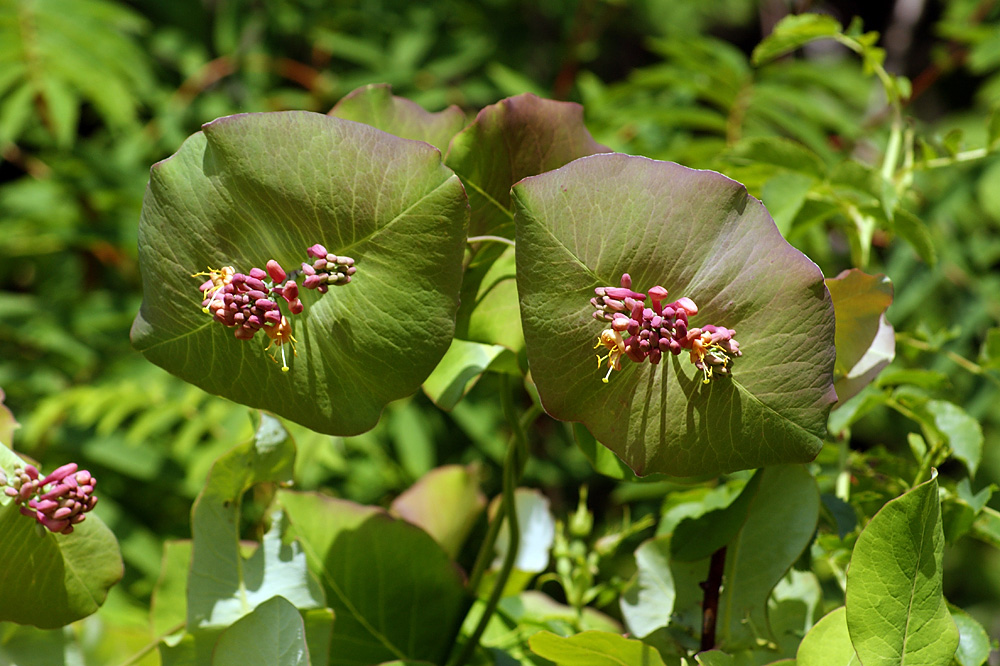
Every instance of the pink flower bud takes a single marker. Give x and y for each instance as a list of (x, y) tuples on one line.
[(276, 272), (317, 251), (626, 281), (31, 471), (295, 306), (687, 305), (657, 293), (258, 274), (11, 492)]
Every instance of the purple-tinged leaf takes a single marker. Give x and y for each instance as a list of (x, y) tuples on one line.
[(453, 487), (700, 235)]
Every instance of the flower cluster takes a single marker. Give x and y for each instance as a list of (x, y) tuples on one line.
[(58, 501), (658, 329), (249, 302)]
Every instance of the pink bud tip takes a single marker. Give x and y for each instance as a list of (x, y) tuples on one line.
[(275, 270), (11, 492), (60, 473), (257, 273), (657, 293), (687, 305), (31, 471), (626, 281), (317, 251)]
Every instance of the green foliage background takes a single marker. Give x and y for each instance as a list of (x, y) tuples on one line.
[(94, 91)]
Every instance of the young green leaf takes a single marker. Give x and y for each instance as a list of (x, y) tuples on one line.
[(272, 635), (792, 32), (594, 648), (896, 613), (964, 434), (973, 642), (828, 643), (699, 235)]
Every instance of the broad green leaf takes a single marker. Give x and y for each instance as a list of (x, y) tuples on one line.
[(865, 340), (828, 643), (375, 105), (699, 235), (926, 379), (514, 138), (697, 537), (779, 152), (649, 599), (855, 408), (792, 32), (987, 527), (24, 645), (460, 369), (376, 570), (594, 648), (714, 658), (70, 574), (895, 611), (602, 458), (445, 503), (964, 434), (253, 187), (272, 635), (222, 586), (973, 642), (537, 529), (780, 524), (784, 195)]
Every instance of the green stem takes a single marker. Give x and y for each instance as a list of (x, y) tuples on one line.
[(513, 466), (495, 239)]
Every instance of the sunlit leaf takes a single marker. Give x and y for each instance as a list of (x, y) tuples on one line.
[(964, 434), (828, 643), (272, 635), (445, 503), (699, 235), (973, 641), (794, 31), (253, 187), (460, 369), (375, 105), (649, 599), (896, 613), (594, 648)]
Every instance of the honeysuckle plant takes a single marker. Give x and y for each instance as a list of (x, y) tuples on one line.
[(517, 246)]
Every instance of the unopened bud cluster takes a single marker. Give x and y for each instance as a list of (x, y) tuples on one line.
[(58, 501), (639, 332), (250, 302)]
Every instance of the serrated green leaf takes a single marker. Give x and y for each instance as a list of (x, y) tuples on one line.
[(699, 235), (253, 187), (272, 635), (792, 32), (375, 105), (594, 648), (828, 643), (896, 614), (648, 601)]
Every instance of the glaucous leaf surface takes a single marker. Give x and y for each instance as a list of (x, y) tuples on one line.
[(699, 235), (49, 580), (865, 341), (781, 521), (828, 643), (649, 599), (222, 585), (273, 634), (445, 503), (253, 187), (594, 648), (376, 571), (375, 105), (896, 613)]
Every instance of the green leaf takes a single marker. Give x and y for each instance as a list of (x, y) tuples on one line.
[(964, 434), (503, 145), (537, 529), (604, 460), (452, 486), (784, 194), (987, 527), (253, 187), (49, 580), (828, 643), (699, 235), (460, 368), (222, 586), (489, 312), (272, 635), (865, 340), (895, 611), (780, 152), (168, 610), (792, 32), (594, 648), (993, 131), (780, 524), (989, 354), (649, 599), (8, 424), (375, 105), (696, 538), (973, 642), (913, 230), (376, 570)]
